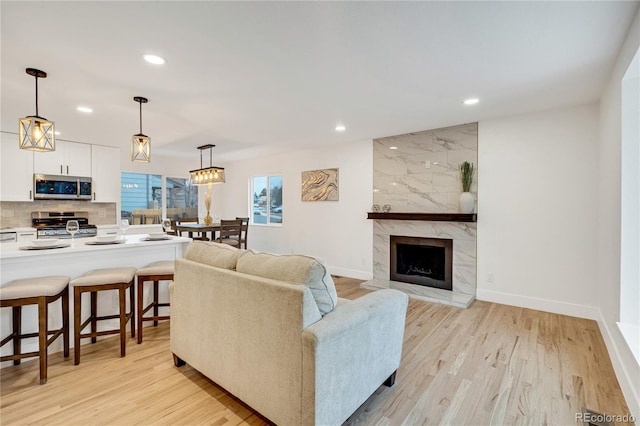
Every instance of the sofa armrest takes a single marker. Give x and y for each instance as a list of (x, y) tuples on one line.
[(349, 353)]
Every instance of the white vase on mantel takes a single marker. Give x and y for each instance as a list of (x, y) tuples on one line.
[(466, 202)]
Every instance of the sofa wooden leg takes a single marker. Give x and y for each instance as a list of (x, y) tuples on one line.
[(390, 381), (177, 361)]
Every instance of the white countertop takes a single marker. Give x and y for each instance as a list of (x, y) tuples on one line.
[(73, 261), (19, 229), (13, 250)]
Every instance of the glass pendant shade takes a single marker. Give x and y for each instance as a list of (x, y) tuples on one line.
[(36, 134), (140, 144), (207, 175), (140, 148)]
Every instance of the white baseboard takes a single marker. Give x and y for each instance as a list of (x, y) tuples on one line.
[(546, 305), (350, 273), (581, 311), (625, 379)]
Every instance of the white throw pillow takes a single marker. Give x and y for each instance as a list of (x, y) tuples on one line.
[(213, 254), (307, 270)]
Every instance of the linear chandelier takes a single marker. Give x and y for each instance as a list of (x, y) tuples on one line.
[(36, 133), (140, 143), (207, 175)]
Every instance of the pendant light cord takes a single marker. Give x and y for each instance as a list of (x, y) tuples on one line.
[(36, 76), (140, 116)]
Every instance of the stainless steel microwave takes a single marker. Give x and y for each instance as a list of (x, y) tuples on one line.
[(58, 187)]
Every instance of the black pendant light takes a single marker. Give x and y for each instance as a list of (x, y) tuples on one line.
[(140, 143), (36, 133), (207, 175)]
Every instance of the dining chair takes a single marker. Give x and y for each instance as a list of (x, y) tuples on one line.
[(230, 231), (173, 230), (245, 231)]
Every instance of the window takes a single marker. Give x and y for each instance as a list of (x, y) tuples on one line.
[(182, 198), (141, 197), (266, 199), (143, 194)]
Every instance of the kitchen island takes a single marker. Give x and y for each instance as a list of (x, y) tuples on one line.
[(73, 261)]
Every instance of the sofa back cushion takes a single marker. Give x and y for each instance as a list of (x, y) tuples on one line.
[(307, 270), (213, 254)]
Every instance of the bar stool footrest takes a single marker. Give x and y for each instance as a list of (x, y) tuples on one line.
[(19, 356)]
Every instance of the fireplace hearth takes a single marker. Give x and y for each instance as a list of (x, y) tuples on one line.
[(423, 261)]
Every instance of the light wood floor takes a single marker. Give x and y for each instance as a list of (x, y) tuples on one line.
[(488, 364)]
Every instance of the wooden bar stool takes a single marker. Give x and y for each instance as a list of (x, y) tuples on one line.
[(156, 271), (41, 292), (92, 282)]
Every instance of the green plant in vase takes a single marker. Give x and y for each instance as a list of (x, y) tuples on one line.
[(466, 202)]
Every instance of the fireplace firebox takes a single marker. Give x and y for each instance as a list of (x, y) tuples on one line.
[(422, 261)]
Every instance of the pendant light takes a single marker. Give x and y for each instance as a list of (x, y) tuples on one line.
[(206, 175), (140, 143), (36, 133)]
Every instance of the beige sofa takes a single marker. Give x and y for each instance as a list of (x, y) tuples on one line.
[(271, 330)]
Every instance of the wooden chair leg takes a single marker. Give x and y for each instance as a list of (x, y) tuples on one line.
[(132, 310), (77, 311), (94, 315), (17, 326), (155, 303), (65, 322), (123, 320), (42, 337), (140, 307)]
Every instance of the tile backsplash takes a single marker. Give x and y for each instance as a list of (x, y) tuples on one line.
[(419, 172), (18, 214)]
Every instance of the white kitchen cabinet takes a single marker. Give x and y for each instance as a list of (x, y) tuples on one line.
[(16, 175), (105, 173), (69, 158)]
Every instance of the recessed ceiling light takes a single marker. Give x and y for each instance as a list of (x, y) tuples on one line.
[(393, 147), (471, 101), (154, 59), (340, 128), (84, 109)]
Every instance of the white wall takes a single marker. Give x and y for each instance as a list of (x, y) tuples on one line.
[(337, 231), (537, 210), (161, 165), (609, 214)]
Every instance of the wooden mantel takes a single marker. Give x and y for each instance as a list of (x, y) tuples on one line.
[(434, 217)]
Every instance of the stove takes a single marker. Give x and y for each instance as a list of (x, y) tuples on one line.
[(54, 224)]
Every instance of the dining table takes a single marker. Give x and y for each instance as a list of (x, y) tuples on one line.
[(201, 228)]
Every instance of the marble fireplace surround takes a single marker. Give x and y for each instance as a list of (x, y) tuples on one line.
[(463, 235), (417, 175)]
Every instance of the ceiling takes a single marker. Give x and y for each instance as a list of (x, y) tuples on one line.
[(258, 77)]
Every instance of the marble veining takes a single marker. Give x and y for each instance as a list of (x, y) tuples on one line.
[(421, 175)]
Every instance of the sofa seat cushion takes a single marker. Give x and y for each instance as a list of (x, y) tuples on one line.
[(306, 270), (213, 254)]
